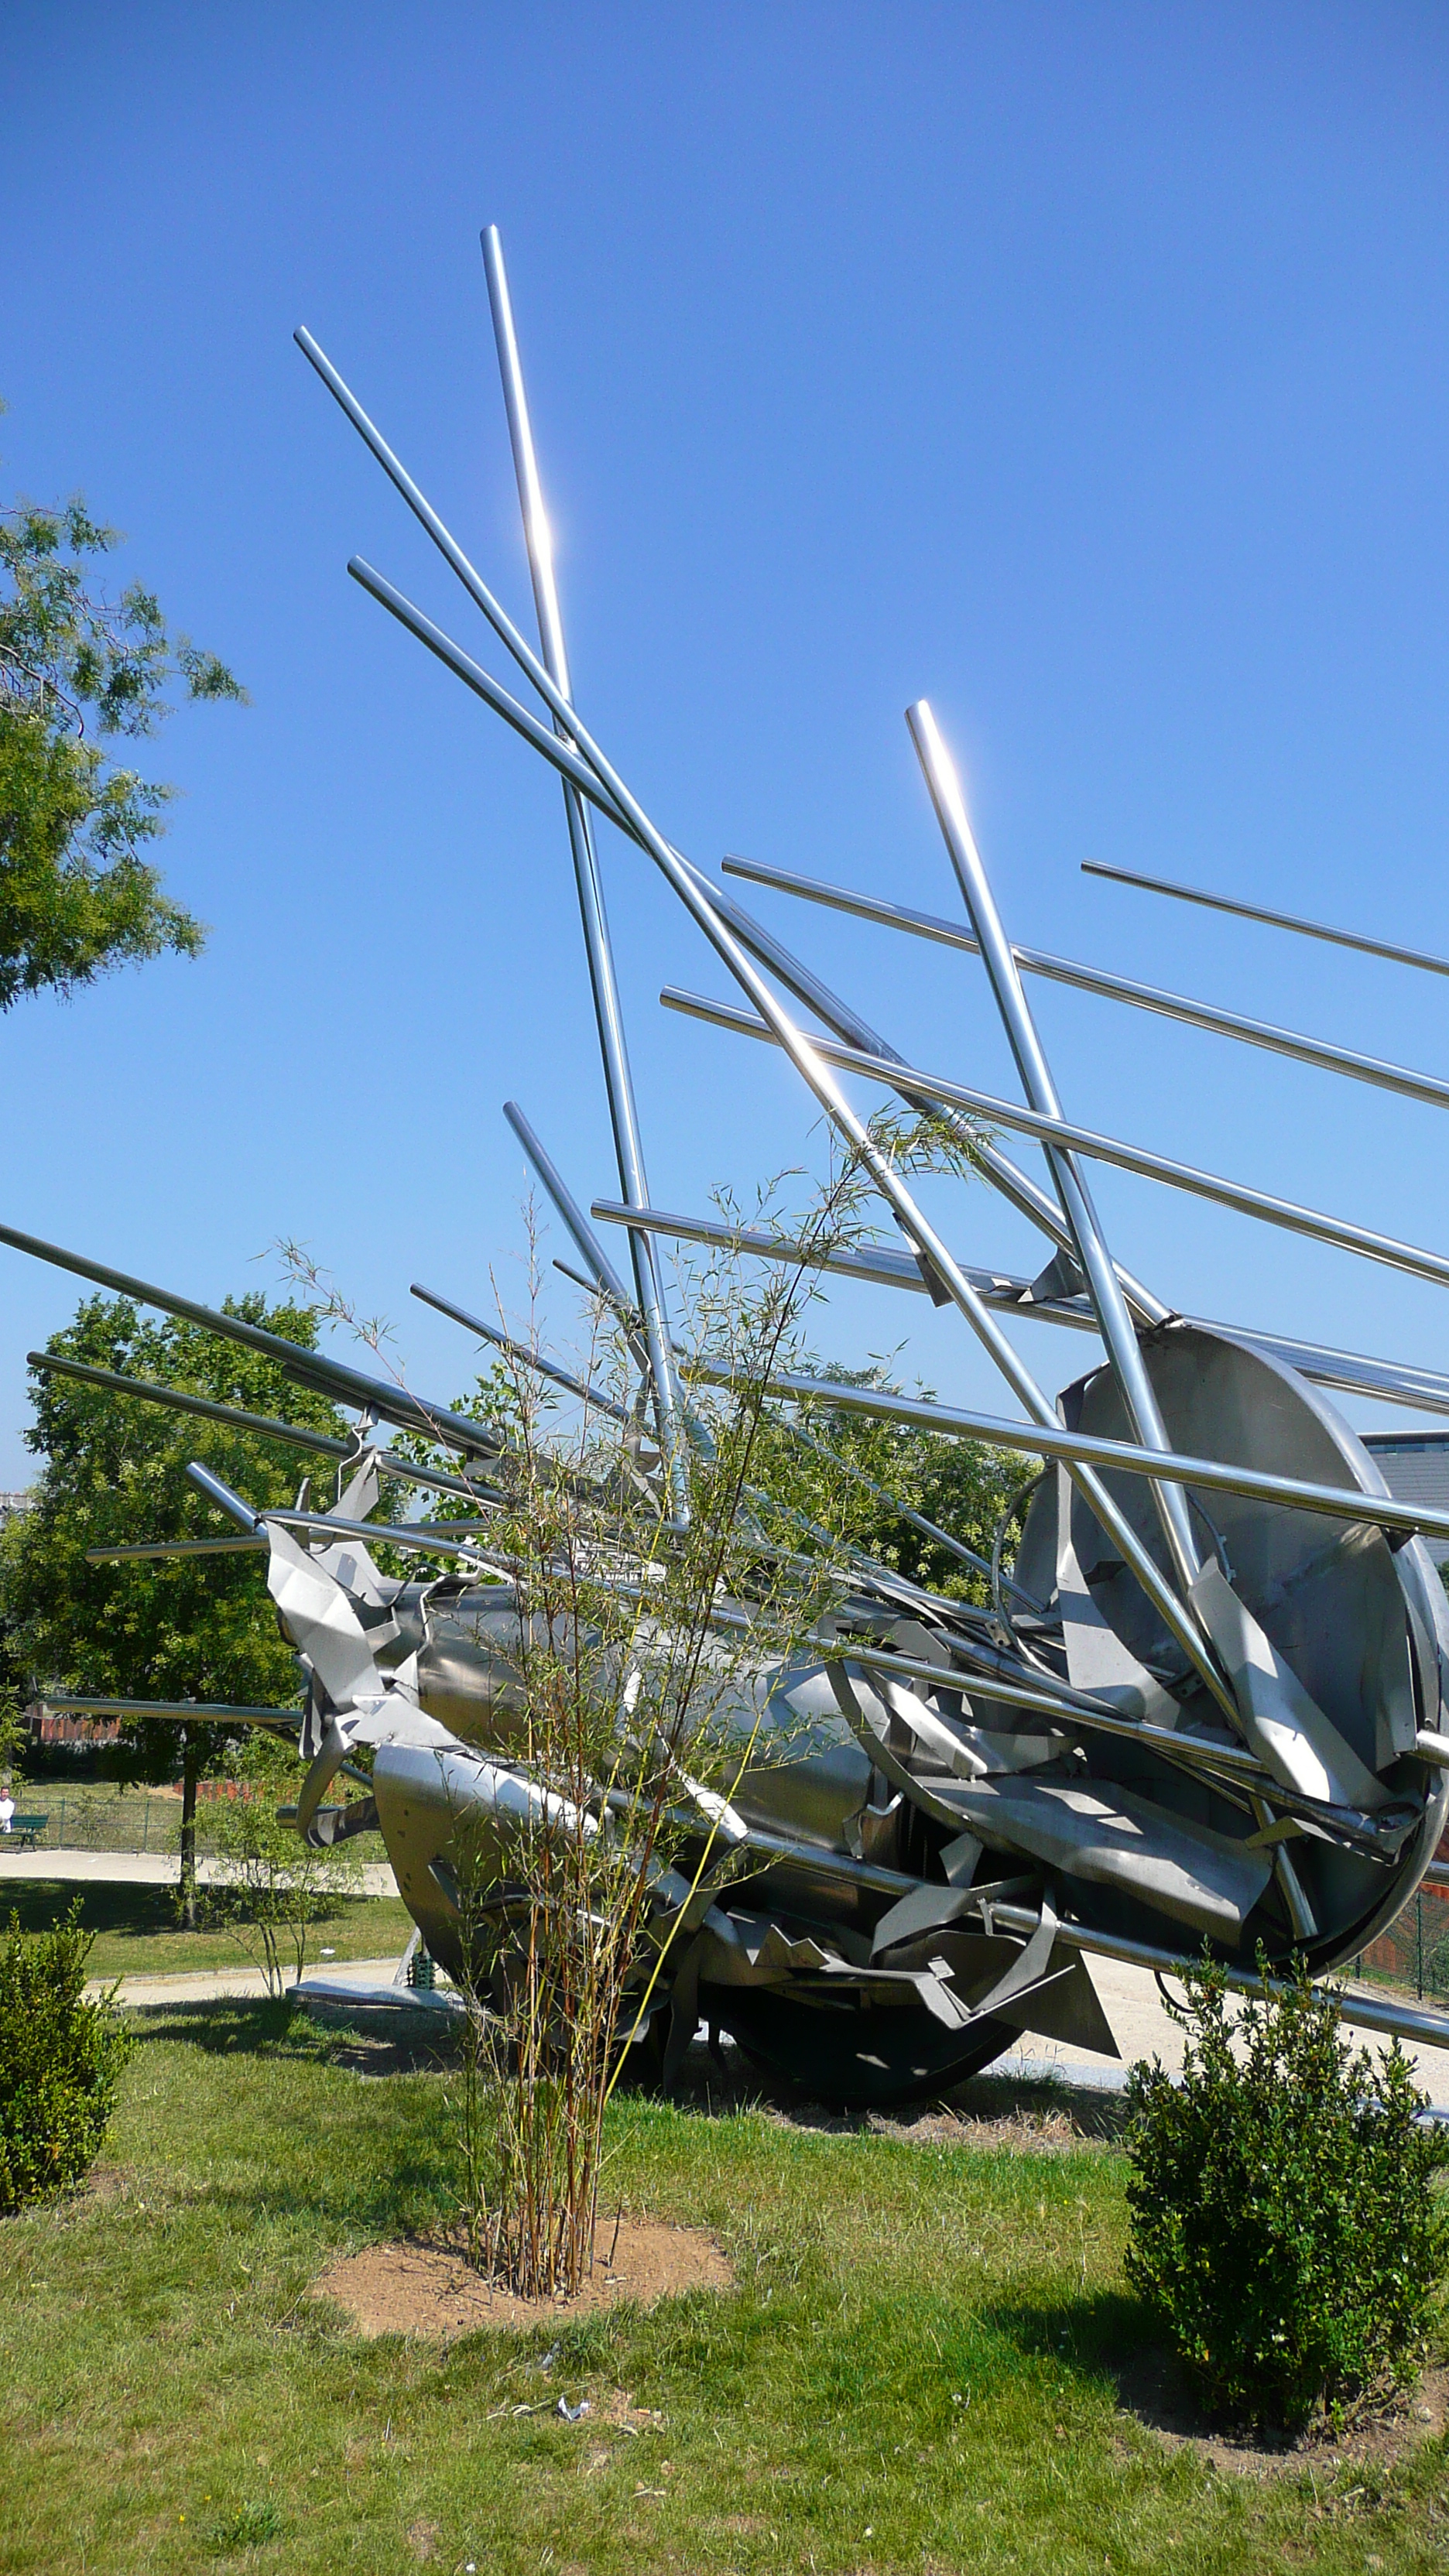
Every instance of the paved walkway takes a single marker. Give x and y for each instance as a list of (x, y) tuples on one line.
[(1142, 2028), (220, 1985), (148, 1869)]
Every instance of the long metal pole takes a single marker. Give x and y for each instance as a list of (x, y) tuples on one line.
[(618, 1080), (606, 1278), (580, 751), (1049, 1440), (912, 1084), (592, 1396), (585, 775), (390, 1461), (1274, 920), (1321, 1053), (1015, 1185), (877, 1265), (1390, 2021), (313, 1369), (1134, 1384)]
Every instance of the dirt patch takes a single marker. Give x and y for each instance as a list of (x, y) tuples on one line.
[(428, 2287), (1152, 2389)]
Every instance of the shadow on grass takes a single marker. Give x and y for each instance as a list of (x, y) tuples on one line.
[(119, 1909), (1108, 2335), (133, 1912), (232, 2025), (720, 2080), (356, 2160)]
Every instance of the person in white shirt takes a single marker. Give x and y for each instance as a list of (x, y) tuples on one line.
[(7, 1809)]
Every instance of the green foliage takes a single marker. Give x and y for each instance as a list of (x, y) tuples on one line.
[(115, 1474), (77, 894), (60, 2063), (961, 1485), (1283, 2221), (273, 1888)]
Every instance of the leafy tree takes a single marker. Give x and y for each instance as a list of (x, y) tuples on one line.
[(114, 1475), (77, 894), (962, 1486)]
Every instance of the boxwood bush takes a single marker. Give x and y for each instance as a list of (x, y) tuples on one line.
[(60, 2062), (1284, 2221)]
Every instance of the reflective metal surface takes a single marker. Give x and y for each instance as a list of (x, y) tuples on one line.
[(1201, 1698)]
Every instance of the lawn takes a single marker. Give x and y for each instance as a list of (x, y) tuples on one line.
[(913, 2372), (136, 1932)]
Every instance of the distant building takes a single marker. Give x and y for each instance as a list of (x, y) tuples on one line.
[(1415, 1467), (10, 1504)]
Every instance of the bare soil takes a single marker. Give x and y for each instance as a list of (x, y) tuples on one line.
[(427, 2287), (1151, 2389)]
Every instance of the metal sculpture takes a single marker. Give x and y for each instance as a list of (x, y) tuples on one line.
[(1207, 1701)]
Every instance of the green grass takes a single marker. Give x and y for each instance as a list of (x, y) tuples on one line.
[(913, 2373), (137, 1935)]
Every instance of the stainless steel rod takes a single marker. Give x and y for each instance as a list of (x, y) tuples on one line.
[(1321, 1053), (877, 1266), (256, 1522), (1274, 920), (700, 904), (917, 1521), (1049, 1440), (1095, 1261), (309, 1368), (1392, 1381), (209, 1710), (1393, 2021), (156, 1549), (606, 1278), (608, 1010), (911, 1080), (1016, 1186), (264, 1426), (520, 1351)]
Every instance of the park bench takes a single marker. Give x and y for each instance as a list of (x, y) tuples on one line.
[(26, 1830)]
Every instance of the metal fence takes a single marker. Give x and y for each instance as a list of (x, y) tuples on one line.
[(1414, 1951), (78, 1820)]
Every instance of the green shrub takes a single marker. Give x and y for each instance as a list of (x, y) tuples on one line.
[(60, 2062), (1284, 2224)]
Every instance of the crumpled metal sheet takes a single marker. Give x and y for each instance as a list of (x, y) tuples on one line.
[(1096, 1830)]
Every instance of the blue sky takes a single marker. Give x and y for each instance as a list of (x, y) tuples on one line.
[(1080, 367)]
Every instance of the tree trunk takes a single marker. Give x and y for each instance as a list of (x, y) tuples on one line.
[(186, 1887)]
